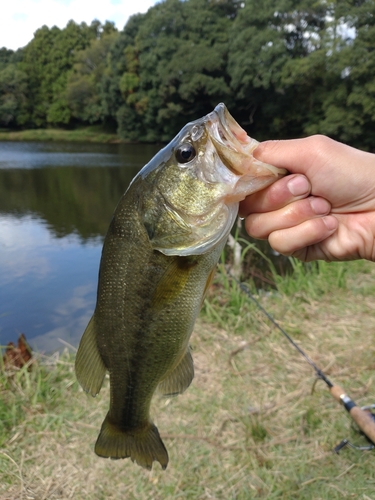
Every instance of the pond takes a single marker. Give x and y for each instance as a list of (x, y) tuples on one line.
[(56, 201)]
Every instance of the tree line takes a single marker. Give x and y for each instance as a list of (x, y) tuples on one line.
[(284, 68)]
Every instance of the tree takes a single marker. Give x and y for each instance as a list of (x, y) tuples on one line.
[(13, 100), (175, 66), (113, 100), (285, 68), (84, 86), (6, 56), (48, 60), (348, 105), (265, 39)]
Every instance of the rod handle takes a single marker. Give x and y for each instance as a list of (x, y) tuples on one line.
[(337, 392), (362, 418)]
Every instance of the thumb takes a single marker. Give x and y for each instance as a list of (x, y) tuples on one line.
[(296, 155)]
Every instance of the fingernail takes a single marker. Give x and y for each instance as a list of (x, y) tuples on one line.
[(320, 206), (299, 185), (331, 222)]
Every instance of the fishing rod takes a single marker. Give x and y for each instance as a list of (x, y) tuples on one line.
[(362, 416)]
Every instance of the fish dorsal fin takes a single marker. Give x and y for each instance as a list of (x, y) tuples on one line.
[(89, 366), (180, 378)]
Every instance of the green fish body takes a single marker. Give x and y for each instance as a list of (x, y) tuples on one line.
[(158, 259)]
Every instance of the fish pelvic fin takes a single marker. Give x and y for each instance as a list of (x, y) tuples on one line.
[(143, 445), (89, 366), (180, 378)]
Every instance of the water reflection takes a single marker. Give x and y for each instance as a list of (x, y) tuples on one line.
[(47, 283), (79, 198), (56, 201), (55, 205), (28, 155)]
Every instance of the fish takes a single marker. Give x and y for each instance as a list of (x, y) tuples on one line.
[(158, 260)]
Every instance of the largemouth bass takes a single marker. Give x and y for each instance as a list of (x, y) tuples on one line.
[(158, 259)]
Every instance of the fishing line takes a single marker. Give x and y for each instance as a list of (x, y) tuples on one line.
[(363, 417)]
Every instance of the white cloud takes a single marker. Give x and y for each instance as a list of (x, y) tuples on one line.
[(21, 18), (21, 241), (70, 319)]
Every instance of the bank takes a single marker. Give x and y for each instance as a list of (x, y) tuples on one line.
[(85, 134)]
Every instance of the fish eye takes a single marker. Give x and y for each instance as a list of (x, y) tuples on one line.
[(185, 153)]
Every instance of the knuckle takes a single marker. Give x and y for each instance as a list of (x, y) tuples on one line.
[(294, 240), (301, 254), (320, 144), (278, 193), (255, 228)]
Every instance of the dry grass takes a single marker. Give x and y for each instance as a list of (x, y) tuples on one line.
[(248, 427)]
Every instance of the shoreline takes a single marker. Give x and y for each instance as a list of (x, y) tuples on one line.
[(87, 134)]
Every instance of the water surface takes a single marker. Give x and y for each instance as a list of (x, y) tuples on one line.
[(56, 201)]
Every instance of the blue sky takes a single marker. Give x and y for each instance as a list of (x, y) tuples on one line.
[(21, 18)]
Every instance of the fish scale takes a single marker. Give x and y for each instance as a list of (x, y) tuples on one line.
[(158, 259)]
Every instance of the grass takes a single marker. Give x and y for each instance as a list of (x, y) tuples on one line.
[(248, 427), (92, 133)]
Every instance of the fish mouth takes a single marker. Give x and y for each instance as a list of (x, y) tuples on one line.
[(229, 132), (235, 147)]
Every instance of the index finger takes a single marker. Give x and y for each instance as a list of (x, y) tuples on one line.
[(296, 155), (278, 195)]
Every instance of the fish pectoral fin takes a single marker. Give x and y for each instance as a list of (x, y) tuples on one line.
[(89, 366), (180, 378), (173, 281), (143, 445)]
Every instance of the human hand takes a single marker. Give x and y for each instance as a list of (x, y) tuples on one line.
[(324, 210)]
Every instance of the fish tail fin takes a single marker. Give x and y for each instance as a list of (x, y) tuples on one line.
[(143, 445)]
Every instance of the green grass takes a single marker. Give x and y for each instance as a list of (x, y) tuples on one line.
[(84, 134), (248, 427)]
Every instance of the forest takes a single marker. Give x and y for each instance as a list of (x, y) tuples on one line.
[(284, 68)]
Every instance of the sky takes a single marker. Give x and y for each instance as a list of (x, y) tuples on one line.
[(19, 19)]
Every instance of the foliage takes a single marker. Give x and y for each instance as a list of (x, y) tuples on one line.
[(13, 96), (285, 68), (48, 61), (83, 90)]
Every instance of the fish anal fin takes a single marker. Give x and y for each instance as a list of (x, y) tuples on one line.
[(180, 378), (142, 445), (89, 366)]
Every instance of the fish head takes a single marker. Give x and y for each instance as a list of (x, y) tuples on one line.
[(192, 188)]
